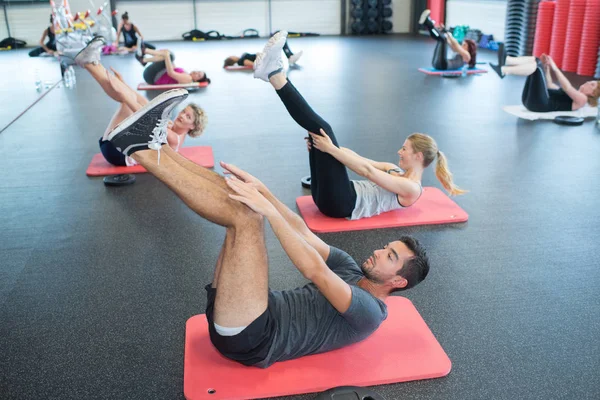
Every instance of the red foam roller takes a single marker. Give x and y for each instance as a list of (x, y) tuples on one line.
[(573, 40), (543, 28), (559, 31), (590, 39)]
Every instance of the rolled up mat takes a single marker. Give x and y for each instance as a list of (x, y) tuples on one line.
[(590, 39), (543, 28), (559, 31), (573, 40)]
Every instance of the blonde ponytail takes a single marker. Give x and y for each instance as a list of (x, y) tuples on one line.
[(445, 176)]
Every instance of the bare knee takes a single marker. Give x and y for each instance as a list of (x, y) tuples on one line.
[(247, 219)]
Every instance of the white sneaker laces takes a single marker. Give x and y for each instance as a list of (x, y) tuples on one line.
[(159, 136)]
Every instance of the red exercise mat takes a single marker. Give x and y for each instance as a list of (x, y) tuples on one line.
[(574, 29), (434, 207), (201, 155), (402, 349), (188, 86)]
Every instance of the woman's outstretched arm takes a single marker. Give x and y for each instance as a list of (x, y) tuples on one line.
[(406, 189), (579, 99)]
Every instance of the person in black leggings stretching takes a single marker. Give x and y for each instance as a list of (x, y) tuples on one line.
[(387, 188), (50, 46), (540, 93), (465, 53)]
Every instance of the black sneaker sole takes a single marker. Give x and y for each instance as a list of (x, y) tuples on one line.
[(128, 137)]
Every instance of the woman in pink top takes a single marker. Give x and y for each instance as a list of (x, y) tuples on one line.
[(162, 71)]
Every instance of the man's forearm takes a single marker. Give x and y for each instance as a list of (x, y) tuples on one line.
[(303, 255), (290, 217)]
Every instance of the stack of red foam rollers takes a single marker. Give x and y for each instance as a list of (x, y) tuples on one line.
[(569, 30)]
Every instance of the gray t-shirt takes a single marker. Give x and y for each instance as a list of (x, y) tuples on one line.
[(306, 323)]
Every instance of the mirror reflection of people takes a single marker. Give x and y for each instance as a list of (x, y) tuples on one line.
[(130, 35), (50, 46)]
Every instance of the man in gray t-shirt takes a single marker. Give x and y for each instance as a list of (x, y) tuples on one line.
[(343, 303)]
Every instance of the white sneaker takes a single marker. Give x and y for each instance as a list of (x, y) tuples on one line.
[(90, 54), (295, 57), (270, 59), (424, 16)]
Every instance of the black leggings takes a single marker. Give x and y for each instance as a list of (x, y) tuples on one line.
[(537, 97), (40, 50), (440, 54), (154, 70), (332, 190)]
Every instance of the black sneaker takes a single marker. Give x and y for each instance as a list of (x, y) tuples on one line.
[(140, 59), (147, 128), (497, 69)]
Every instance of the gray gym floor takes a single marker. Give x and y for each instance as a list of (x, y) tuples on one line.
[(96, 283)]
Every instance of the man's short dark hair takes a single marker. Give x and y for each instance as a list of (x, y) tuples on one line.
[(416, 268)]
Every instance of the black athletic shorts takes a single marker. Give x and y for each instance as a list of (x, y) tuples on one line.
[(111, 154), (248, 347)]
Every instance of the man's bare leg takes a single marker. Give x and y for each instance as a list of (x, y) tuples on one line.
[(242, 282), (197, 169), (123, 112)]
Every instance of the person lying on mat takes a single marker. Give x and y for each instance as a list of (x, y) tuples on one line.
[(386, 188), (50, 46), (247, 322), (162, 71), (540, 93), (130, 32), (190, 121), (247, 59), (465, 53)]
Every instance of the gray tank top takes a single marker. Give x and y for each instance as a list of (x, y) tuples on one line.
[(372, 199)]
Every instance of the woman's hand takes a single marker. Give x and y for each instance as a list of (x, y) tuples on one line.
[(250, 196), (230, 169), (322, 142)]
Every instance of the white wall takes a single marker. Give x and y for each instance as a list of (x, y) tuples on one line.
[(168, 20), (318, 16), (159, 20), (487, 16), (27, 22), (401, 15)]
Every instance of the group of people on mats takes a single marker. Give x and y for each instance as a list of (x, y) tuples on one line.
[(540, 93), (344, 303)]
